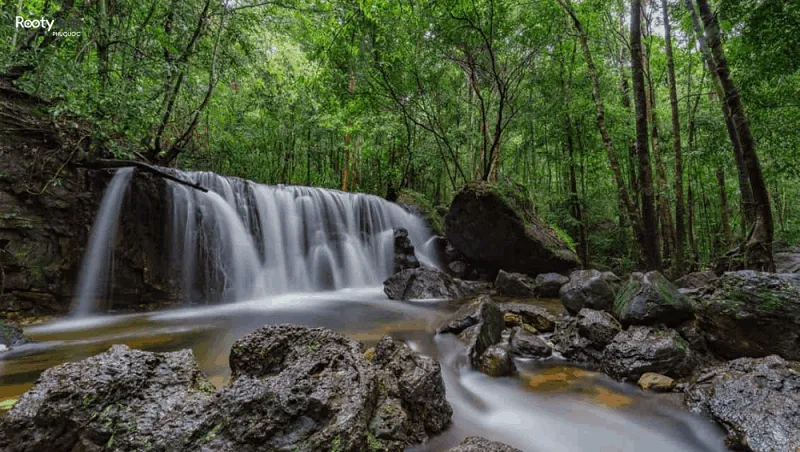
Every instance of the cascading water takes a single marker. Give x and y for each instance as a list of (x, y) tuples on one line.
[(243, 240), (96, 268)]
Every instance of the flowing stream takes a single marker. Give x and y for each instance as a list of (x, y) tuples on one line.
[(317, 257)]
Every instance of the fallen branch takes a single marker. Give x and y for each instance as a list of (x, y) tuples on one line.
[(110, 164)]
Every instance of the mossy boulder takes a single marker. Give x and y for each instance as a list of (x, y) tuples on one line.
[(421, 205), (753, 314), (495, 225), (650, 298), (642, 349)]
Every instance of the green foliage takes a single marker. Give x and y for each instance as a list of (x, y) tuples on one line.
[(424, 206)]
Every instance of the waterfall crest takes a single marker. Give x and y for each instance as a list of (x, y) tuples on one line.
[(244, 240)]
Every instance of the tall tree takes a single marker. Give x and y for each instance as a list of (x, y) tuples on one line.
[(650, 249)]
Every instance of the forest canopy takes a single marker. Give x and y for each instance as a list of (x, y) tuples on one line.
[(584, 103)]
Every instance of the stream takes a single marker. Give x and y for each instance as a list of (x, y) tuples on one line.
[(548, 406)]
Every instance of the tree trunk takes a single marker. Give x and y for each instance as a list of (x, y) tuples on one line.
[(680, 232), (723, 208), (690, 226), (351, 86), (650, 250), (758, 249)]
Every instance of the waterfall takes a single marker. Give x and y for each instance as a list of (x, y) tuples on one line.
[(96, 268), (244, 240)]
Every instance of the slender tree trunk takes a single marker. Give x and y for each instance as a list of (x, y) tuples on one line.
[(690, 226), (758, 249), (650, 250), (351, 86), (680, 232), (723, 207)]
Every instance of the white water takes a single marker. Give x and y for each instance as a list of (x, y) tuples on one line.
[(97, 265), (243, 240)]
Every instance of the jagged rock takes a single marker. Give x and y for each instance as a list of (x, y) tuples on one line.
[(548, 284), (535, 316), (642, 349), (696, 280), (292, 388), (11, 335), (587, 289), (694, 336), (756, 401), (496, 361), (652, 381), (404, 256), (494, 225), (423, 282), (753, 314), (525, 344), (583, 338), (479, 444), (485, 322), (515, 284), (649, 298)]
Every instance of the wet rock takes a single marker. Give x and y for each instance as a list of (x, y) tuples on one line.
[(548, 284), (583, 338), (458, 269), (479, 444), (652, 381), (533, 315), (404, 256), (512, 320), (525, 344), (496, 362), (691, 332), (650, 298), (756, 401), (787, 258), (11, 335), (495, 225), (485, 322), (753, 314), (641, 349), (587, 289), (420, 283), (696, 280), (515, 284)]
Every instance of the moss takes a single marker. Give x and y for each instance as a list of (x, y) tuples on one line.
[(625, 295), (336, 444), (770, 301), (369, 355), (562, 234), (7, 404), (313, 347), (424, 207), (213, 433), (665, 293), (373, 443)]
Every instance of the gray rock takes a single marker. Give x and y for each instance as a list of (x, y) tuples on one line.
[(753, 314), (11, 334), (598, 326), (420, 283), (548, 284), (458, 269), (536, 316), (582, 338), (642, 349), (587, 289), (484, 321), (696, 280), (404, 256), (525, 344), (479, 444), (496, 362), (756, 401), (650, 298), (787, 259), (515, 284)]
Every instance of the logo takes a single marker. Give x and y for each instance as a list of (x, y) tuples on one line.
[(62, 25), (21, 22)]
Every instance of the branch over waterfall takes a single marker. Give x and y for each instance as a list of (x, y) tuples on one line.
[(111, 164)]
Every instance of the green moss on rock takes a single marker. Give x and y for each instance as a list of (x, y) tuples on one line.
[(424, 207)]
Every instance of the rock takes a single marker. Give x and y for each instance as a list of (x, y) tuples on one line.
[(787, 258), (641, 349), (515, 284), (587, 289), (494, 225), (421, 283), (11, 335), (650, 298), (512, 319), (421, 205), (292, 388), (525, 344), (478, 444), (496, 362), (652, 381), (404, 256), (756, 401), (458, 269), (548, 284), (696, 280), (533, 315), (691, 332), (753, 314), (485, 322), (583, 338)]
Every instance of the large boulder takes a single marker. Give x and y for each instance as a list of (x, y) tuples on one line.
[(649, 298), (495, 225), (533, 315), (292, 388), (421, 283), (548, 284), (479, 444), (587, 289), (787, 258), (404, 256), (756, 401), (696, 280), (583, 338), (496, 361), (514, 284), (753, 314), (11, 335), (641, 349)]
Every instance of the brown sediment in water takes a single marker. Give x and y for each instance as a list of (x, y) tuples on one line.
[(559, 378)]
